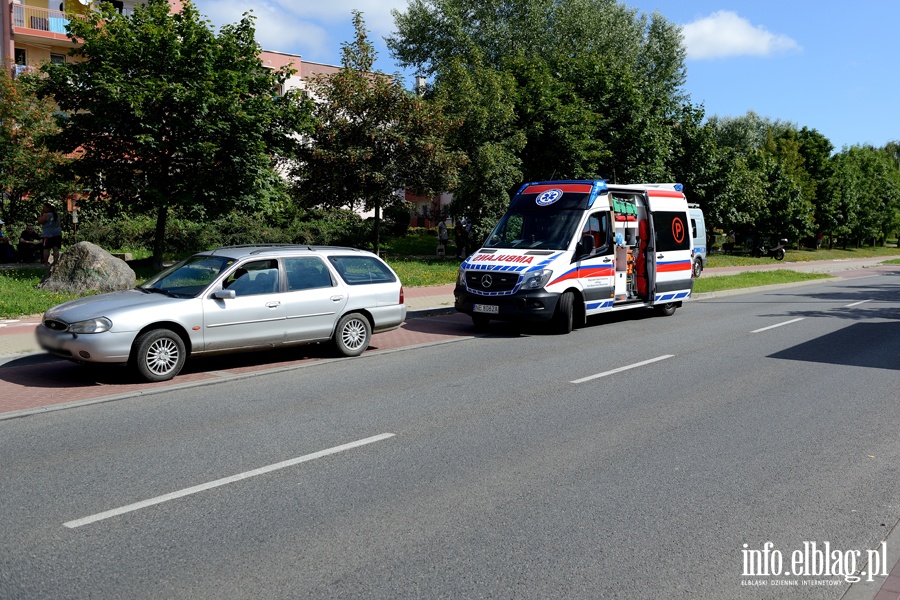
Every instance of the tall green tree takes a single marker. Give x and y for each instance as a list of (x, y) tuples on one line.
[(171, 115), (373, 138), (30, 172), (598, 86), (482, 100)]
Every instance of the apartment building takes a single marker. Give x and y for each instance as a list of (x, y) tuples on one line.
[(33, 32)]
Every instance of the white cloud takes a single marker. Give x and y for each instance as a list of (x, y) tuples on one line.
[(724, 33), (312, 28)]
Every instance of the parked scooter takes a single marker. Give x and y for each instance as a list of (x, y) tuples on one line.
[(776, 252)]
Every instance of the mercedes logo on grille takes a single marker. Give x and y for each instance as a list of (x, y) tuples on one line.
[(486, 281)]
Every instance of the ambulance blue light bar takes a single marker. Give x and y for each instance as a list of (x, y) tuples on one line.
[(599, 186)]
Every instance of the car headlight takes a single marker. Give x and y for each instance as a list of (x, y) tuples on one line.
[(98, 325), (461, 276), (537, 279)]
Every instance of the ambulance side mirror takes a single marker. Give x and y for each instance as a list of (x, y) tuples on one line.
[(586, 245)]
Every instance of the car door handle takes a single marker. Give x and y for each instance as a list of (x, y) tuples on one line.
[(607, 259), (273, 304), (660, 256), (337, 298)]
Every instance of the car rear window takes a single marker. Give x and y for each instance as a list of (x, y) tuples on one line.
[(361, 270)]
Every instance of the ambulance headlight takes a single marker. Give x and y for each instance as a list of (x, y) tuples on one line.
[(537, 279), (461, 276)]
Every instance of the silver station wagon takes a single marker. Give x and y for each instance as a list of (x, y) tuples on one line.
[(229, 300)]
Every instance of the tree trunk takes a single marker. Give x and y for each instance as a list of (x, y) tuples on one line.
[(159, 238)]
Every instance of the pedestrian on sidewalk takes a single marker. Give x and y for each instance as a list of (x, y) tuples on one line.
[(51, 231)]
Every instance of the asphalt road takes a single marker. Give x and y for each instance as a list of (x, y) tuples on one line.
[(633, 458)]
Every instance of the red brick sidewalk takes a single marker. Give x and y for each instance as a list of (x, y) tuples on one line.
[(39, 381)]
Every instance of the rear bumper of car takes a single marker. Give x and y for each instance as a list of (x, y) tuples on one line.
[(386, 318)]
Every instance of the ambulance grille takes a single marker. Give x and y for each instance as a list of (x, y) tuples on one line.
[(491, 282)]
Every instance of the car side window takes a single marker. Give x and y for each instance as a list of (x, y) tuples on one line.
[(360, 270), (253, 278), (306, 273)]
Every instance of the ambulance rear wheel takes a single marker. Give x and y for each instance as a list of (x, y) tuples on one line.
[(698, 268), (666, 310), (565, 313), (480, 322)]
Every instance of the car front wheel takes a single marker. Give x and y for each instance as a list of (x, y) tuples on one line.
[(352, 334), (159, 355)]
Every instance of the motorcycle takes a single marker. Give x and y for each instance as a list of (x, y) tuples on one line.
[(776, 252)]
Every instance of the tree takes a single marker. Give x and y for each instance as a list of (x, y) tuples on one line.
[(29, 171), (597, 85), (373, 138), (482, 101), (170, 115)]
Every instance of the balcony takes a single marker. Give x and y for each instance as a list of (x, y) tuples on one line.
[(39, 19)]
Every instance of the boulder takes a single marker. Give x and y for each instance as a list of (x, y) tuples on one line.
[(87, 267)]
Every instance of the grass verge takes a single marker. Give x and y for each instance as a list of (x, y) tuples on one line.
[(753, 279), (21, 297)]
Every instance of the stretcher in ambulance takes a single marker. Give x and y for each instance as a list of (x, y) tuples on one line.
[(566, 250)]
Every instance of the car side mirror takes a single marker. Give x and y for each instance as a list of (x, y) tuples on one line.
[(224, 295)]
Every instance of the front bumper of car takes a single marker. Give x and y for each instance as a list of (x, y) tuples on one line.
[(108, 347), (531, 305)]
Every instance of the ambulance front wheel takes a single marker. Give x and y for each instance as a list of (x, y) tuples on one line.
[(564, 317), (666, 310)]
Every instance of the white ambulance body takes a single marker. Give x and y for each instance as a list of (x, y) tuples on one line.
[(566, 250)]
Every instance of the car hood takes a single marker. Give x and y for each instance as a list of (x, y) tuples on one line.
[(110, 305)]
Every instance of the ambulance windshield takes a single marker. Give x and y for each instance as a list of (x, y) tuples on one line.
[(530, 229)]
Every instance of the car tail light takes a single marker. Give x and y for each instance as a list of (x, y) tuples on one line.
[(401, 295)]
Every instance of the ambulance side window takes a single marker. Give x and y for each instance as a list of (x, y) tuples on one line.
[(598, 227), (671, 231)]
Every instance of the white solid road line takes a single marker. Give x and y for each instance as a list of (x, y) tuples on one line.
[(857, 303), (777, 325), (220, 482), (620, 369)]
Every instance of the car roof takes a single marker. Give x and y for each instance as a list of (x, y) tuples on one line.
[(269, 250)]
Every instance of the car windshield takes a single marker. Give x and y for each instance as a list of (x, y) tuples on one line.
[(534, 229), (188, 278)]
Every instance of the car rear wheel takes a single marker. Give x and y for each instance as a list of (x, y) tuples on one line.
[(352, 334), (698, 268), (159, 355)]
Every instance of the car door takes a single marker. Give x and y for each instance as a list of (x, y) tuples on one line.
[(254, 317), (672, 245), (313, 299)]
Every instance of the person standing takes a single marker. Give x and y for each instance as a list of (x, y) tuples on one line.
[(51, 231)]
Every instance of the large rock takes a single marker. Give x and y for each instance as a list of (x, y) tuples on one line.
[(88, 267)]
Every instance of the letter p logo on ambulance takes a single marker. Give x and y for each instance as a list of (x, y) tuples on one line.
[(677, 230), (549, 197)]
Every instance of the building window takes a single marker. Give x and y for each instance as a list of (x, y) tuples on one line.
[(20, 56), (58, 59)]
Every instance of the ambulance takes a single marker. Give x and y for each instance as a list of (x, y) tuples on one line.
[(566, 250)]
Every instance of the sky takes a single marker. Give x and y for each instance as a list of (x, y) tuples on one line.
[(823, 64)]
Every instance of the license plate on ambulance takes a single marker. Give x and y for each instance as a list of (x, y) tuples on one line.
[(490, 309)]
